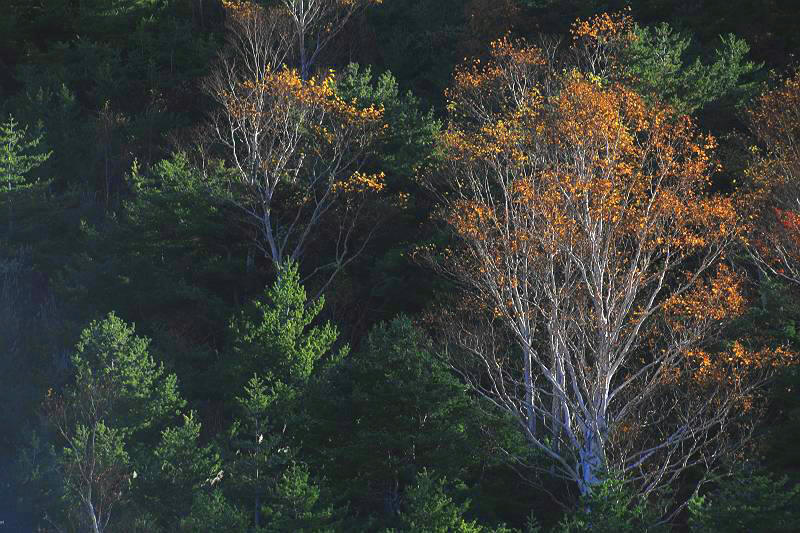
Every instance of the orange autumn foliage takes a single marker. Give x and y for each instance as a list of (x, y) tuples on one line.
[(295, 146), (560, 175), (598, 40), (604, 27), (774, 176), (586, 234), (716, 299), (286, 84)]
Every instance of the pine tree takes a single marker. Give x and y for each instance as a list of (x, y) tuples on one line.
[(18, 154), (276, 340), (118, 395)]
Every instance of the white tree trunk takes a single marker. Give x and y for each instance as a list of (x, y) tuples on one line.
[(590, 463)]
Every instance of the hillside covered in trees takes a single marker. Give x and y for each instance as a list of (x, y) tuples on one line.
[(399, 266)]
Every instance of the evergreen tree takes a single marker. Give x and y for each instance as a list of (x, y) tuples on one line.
[(18, 157), (18, 154), (612, 507), (747, 501), (212, 512), (180, 468), (119, 393), (390, 410), (257, 456), (657, 61), (295, 503), (275, 338), (280, 348), (429, 509)]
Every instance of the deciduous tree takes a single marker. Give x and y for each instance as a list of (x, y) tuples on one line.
[(315, 23), (775, 176), (295, 145), (590, 250)]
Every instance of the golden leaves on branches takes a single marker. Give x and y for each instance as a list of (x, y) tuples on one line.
[(241, 10), (286, 86), (774, 178), (587, 155), (604, 27), (361, 183), (716, 299), (281, 103), (586, 233), (733, 367), (586, 177), (472, 219), (296, 147)]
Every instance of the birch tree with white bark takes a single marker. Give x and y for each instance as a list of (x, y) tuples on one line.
[(589, 254), (295, 147)]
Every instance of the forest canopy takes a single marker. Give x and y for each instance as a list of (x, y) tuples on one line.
[(399, 265)]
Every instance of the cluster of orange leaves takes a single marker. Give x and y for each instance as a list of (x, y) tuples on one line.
[(476, 76), (286, 85), (581, 122), (472, 219), (242, 10), (731, 367), (604, 27), (775, 173), (557, 149), (719, 298)]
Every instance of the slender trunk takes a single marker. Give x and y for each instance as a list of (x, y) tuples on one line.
[(557, 408), (10, 207), (304, 66), (590, 462), (529, 389), (92, 517)]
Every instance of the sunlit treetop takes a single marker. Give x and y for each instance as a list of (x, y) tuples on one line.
[(602, 147), (317, 91), (604, 27)]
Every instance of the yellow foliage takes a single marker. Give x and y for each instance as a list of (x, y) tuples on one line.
[(360, 183)]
